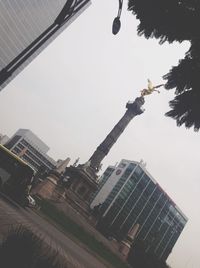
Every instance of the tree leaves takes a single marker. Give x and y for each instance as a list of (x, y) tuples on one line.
[(176, 20)]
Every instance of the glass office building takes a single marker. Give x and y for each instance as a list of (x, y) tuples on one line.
[(137, 198), (27, 27), (103, 179)]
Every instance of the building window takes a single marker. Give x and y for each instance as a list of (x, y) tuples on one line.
[(12, 142), (138, 172)]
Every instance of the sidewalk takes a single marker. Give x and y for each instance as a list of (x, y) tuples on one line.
[(75, 255)]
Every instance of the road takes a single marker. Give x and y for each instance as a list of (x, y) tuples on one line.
[(76, 256)]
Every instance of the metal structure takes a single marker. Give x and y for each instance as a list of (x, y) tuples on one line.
[(69, 11)]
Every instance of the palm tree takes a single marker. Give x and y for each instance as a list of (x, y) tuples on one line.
[(169, 21)]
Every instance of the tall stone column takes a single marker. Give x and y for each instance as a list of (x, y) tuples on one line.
[(83, 179), (133, 109)]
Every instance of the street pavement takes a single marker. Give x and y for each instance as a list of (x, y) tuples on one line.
[(75, 255)]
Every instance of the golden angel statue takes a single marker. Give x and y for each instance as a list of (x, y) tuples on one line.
[(150, 89)]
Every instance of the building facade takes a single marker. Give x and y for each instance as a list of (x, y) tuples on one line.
[(27, 27), (103, 179), (31, 149), (3, 139), (131, 197)]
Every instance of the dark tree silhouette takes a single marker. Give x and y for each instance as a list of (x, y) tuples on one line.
[(176, 20), (21, 248), (139, 258)]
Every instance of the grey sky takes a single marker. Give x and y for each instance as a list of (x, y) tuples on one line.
[(76, 90)]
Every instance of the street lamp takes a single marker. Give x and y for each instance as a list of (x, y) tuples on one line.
[(116, 22)]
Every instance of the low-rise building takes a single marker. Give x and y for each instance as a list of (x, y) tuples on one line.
[(31, 149)]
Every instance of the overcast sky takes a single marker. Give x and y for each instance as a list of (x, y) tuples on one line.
[(76, 91)]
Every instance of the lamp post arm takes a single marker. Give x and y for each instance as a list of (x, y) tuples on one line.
[(120, 8)]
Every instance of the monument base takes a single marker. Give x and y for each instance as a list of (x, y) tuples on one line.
[(82, 184), (49, 188)]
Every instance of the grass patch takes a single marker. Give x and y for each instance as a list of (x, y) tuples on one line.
[(71, 227)]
